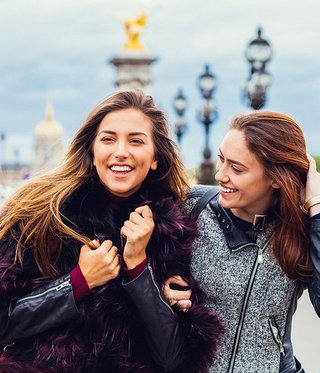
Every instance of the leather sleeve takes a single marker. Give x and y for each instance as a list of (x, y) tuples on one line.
[(161, 322), (314, 287), (42, 309)]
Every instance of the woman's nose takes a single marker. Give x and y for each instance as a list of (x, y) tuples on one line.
[(121, 150), (221, 176)]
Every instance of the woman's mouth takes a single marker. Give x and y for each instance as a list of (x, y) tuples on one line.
[(121, 170), (228, 190)]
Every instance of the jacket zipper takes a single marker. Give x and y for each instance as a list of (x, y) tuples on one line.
[(54, 288), (258, 261), (157, 287), (276, 334)]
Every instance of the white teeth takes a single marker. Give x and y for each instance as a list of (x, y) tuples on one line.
[(228, 190), (121, 168)]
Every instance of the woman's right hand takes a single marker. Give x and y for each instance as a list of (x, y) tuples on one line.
[(99, 265)]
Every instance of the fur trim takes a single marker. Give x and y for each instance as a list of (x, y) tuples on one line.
[(108, 335)]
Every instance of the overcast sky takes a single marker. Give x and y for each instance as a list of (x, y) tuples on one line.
[(60, 49)]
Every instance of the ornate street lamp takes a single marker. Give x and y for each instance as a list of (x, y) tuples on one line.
[(180, 105), (258, 54), (207, 116)]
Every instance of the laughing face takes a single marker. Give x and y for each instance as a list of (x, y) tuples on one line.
[(245, 188), (123, 151)]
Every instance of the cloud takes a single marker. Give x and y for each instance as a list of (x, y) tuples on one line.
[(62, 48)]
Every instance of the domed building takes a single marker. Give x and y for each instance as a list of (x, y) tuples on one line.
[(49, 143)]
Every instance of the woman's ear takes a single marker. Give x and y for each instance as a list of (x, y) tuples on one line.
[(154, 165), (275, 185)]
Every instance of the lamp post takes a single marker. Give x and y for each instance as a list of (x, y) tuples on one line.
[(180, 105), (207, 115), (258, 54)]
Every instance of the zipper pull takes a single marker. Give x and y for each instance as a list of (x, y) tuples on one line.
[(260, 258), (63, 285), (8, 346), (276, 335)]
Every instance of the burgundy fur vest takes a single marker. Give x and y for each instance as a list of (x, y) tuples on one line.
[(108, 336)]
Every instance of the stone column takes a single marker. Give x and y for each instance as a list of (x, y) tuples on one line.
[(133, 70)]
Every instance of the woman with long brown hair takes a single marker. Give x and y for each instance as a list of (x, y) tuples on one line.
[(257, 249), (83, 249)]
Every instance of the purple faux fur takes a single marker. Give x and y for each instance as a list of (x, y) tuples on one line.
[(108, 335)]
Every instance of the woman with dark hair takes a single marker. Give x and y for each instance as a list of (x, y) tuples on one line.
[(98, 308), (257, 250)]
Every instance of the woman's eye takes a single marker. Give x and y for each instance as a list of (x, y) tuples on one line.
[(107, 139), (236, 170), (137, 141)]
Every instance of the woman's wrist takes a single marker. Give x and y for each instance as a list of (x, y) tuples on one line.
[(312, 206), (79, 283), (133, 261), (136, 271), (314, 210)]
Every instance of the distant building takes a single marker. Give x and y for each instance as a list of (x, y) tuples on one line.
[(49, 143)]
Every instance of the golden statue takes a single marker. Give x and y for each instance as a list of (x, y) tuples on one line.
[(133, 28)]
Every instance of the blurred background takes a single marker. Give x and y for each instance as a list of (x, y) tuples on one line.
[(202, 61)]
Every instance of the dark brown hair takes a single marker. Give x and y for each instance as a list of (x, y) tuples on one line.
[(278, 143)]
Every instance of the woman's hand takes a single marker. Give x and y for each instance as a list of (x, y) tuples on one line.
[(312, 185), (137, 231), (177, 298), (99, 265)]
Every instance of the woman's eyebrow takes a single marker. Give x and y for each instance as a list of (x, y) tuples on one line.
[(233, 161), (130, 134)]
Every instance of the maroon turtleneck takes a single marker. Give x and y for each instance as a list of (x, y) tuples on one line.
[(79, 284)]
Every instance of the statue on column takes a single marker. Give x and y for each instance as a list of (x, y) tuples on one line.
[(133, 28)]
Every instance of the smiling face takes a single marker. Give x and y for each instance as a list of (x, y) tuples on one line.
[(123, 151), (245, 188)]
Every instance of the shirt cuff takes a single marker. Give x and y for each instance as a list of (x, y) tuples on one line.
[(316, 216), (79, 284), (136, 271)]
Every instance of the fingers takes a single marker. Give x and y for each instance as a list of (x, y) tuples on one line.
[(115, 265), (125, 232), (100, 264), (130, 225), (310, 158), (312, 162), (109, 252), (94, 244), (177, 298), (106, 245), (142, 215), (176, 280), (138, 226), (183, 305), (145, 212), (174, 296), (136, 218)]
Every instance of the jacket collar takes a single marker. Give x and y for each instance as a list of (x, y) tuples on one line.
[(235, 237)]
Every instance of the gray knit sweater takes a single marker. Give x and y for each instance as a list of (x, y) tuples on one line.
[(224, 275)]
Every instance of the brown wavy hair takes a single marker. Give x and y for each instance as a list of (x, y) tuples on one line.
[(279, 144), (32, 215)]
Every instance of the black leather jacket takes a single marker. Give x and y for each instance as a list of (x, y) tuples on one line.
[(53, 304)]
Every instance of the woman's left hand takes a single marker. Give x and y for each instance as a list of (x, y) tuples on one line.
[(178, 298), (137, 231), (312, 185)]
